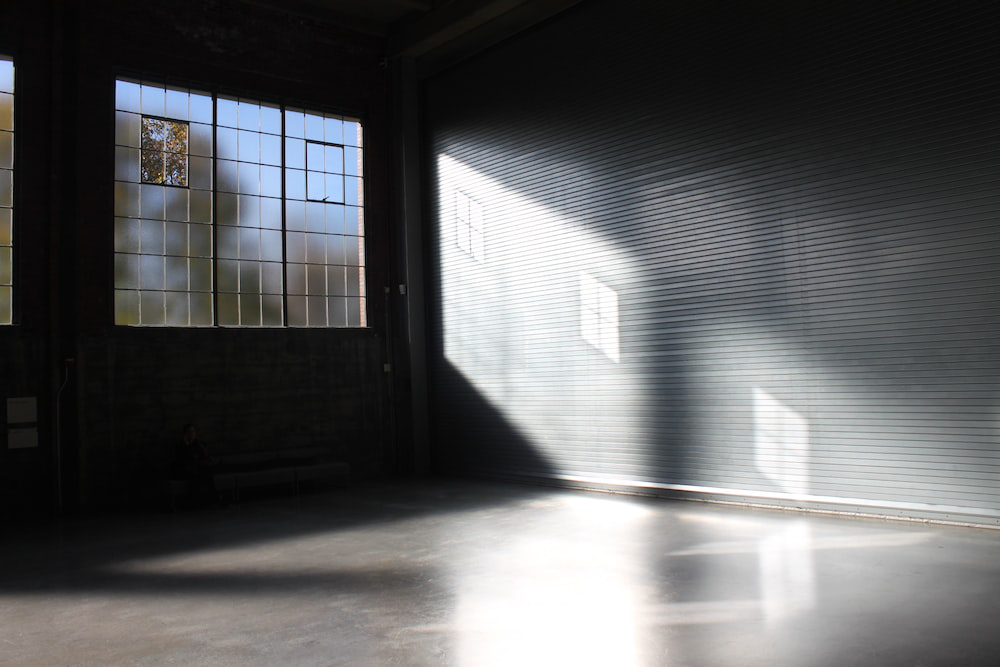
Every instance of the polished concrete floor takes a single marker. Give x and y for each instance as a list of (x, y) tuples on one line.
[(468, 573)]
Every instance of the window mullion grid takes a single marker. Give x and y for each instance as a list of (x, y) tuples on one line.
[(284, 232), (215, 210)]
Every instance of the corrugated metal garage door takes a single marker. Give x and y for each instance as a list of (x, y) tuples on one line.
[(744, 252)]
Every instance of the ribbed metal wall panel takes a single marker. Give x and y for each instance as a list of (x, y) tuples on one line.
[(796, 207)]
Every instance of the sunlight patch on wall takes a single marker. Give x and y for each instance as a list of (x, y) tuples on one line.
[(781, 443)]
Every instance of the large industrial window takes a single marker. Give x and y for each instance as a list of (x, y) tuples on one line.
[(6, 190), (235, 212)]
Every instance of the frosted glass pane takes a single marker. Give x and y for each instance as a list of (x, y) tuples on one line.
[(177, 104), (177, 203), (354, 220), (317, 310), (201, 108), (126, 307), (335, 249), (151, 308), (297, 311), (6, 150), (316, 248), (127, 164), (229, 242), (294, 123), (201, 206), (352, 133), (153, 103), (295, 216), (6, 111), (6, 305), (337, 280), (229, 275), (200, 139), (354, 308), (333, 129), (250, 310), (270, 181), (201, 240), (228, 174), (152, 201), (270, 119), (249, 115), (150, 272), (353, 280), (250, 277), (227, 112), (249, 177), (127, 129), (228, 209), (7, 76), (295, 247), (315, 217), (334, 188), (249, 211), (151, 237), (353, 165), (127, 96), (270, 245), (6, 188), (315, 280), (201, 309), (335, 219), (176, 238), (338, 311), (249, 146), (126, 235), (177, 309), (295, 184), (229, 309), (296, 278), (270, 213), (201, 275), (177, 273), (314, 127), (6, 266), (295, 153), (352, 250), (249, 243), (270, 277), (6, 227), (271, 311), (352, 190), (200, 173), (270, 149), (127, 271), (334, 159)]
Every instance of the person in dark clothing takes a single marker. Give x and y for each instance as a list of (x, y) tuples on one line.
[(193, 463)]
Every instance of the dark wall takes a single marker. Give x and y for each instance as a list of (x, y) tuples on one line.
[(130, 389), (793, 206)]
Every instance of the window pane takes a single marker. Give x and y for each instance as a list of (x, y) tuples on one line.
[(338, 311), (270, 277), (229, 309), (271, 310), (201, 309), (228, 276), (126, 307), (250, 309), (270, 213), (177, 273), (201, 274), (317, 310), (296, 311), (151, 308), (227, 112), (227, 143), (177, 309)]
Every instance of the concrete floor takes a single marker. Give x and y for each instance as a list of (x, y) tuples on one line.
[(465, 573)]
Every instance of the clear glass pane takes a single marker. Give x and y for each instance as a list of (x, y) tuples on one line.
[(295, 247), (270, 245), (127, 271), (229, 275), (229, 309), (294, 123), (250, 277), (201, 309), (334, 188), (228, 209), (177, 239), (201, 274), (151, 308), (249, 211), (177, 309), (227, 143), (177, 204), (128, 129), (314, 127), (201, 206), (317, 310), (150, 272), (314, 157), (338, 311), (151, 237), (270, 277), (227, 111), (249, 115), (333, 159), (297, 311), (127, 96), (270, 119), (152, 201), (296, 278), (271, 311), (295, 153), (201, 107), (270, 149), (249, 243), (177, 273), (270, 213), (201, 240), (228, 239), (250, 309), (201, 139), (270, 181), (249, 175), (316, 185), (315, 217), (126, 307)]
